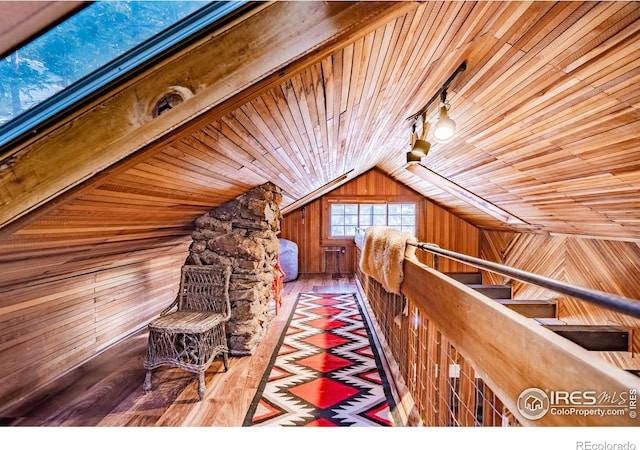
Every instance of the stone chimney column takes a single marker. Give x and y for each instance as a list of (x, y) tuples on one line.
[(242, 233)]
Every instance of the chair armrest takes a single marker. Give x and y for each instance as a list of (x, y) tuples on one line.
[(227, 309), (169, 308)]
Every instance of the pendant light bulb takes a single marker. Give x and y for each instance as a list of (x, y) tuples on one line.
[(445, 127)]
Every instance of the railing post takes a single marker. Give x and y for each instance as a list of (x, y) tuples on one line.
[(436, 257)]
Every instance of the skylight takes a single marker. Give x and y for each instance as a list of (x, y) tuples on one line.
[(91, 49), (85, 42)]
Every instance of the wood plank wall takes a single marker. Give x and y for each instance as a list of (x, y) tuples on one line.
[(48, 325), (448, 231), (304, 225), (606, 265)]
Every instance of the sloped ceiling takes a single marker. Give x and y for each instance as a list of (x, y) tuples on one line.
[(21, 21), (301, 93)]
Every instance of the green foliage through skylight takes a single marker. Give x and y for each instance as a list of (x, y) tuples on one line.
[(87, 41)]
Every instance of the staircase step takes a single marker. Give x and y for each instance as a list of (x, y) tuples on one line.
[(466, 277), (549, 321), (531, 308), (495, 291), (604, 338)]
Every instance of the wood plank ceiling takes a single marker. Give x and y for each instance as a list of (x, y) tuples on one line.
[(547, 112)]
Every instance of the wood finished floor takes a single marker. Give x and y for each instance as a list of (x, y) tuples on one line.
[(107, 391)]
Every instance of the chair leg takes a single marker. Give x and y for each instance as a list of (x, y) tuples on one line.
[(201, 385), (146, 386), (225, 359)]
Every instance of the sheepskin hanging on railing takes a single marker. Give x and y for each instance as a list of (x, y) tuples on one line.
[(383, 253)]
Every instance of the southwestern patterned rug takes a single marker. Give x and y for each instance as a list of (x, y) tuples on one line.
[(326, 370)]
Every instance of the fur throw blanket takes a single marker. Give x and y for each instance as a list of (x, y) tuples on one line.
[(383, 255)]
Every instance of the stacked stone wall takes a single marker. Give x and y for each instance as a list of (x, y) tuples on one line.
[(242, 233)]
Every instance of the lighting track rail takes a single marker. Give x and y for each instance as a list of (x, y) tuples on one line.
[(441, 93)]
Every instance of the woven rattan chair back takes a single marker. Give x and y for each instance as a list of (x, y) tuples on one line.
[(191, 331), (204, 289)]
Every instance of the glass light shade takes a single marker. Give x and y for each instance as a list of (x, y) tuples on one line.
[(445, 127)]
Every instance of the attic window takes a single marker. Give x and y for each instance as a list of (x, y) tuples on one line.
[(346, 217)]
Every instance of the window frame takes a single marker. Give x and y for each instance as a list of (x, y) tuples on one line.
[(328, 240), (133, 62)]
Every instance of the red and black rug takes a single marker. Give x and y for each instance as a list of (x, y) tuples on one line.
[(326, 370)]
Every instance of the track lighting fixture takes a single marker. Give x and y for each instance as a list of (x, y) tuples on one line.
[(445, 128), (412, 158), (419, 145)]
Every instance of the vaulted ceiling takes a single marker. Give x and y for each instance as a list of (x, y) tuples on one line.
[(309, 95)]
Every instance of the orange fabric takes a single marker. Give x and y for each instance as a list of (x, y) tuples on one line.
[(278, 284)]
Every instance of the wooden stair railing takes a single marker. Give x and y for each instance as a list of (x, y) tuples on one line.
[(606, 338), (492, 345), (513, 353), (607, 300)]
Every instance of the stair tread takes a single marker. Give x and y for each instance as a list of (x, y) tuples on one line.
[(519, 301), (530, 307), (589, 328), (495, 291), (549, 321), (465, 277), (594, 337)]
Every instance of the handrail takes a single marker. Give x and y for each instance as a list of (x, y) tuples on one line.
[(606, 300)]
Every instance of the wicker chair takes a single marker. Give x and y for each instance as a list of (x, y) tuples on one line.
[(193, 335)]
